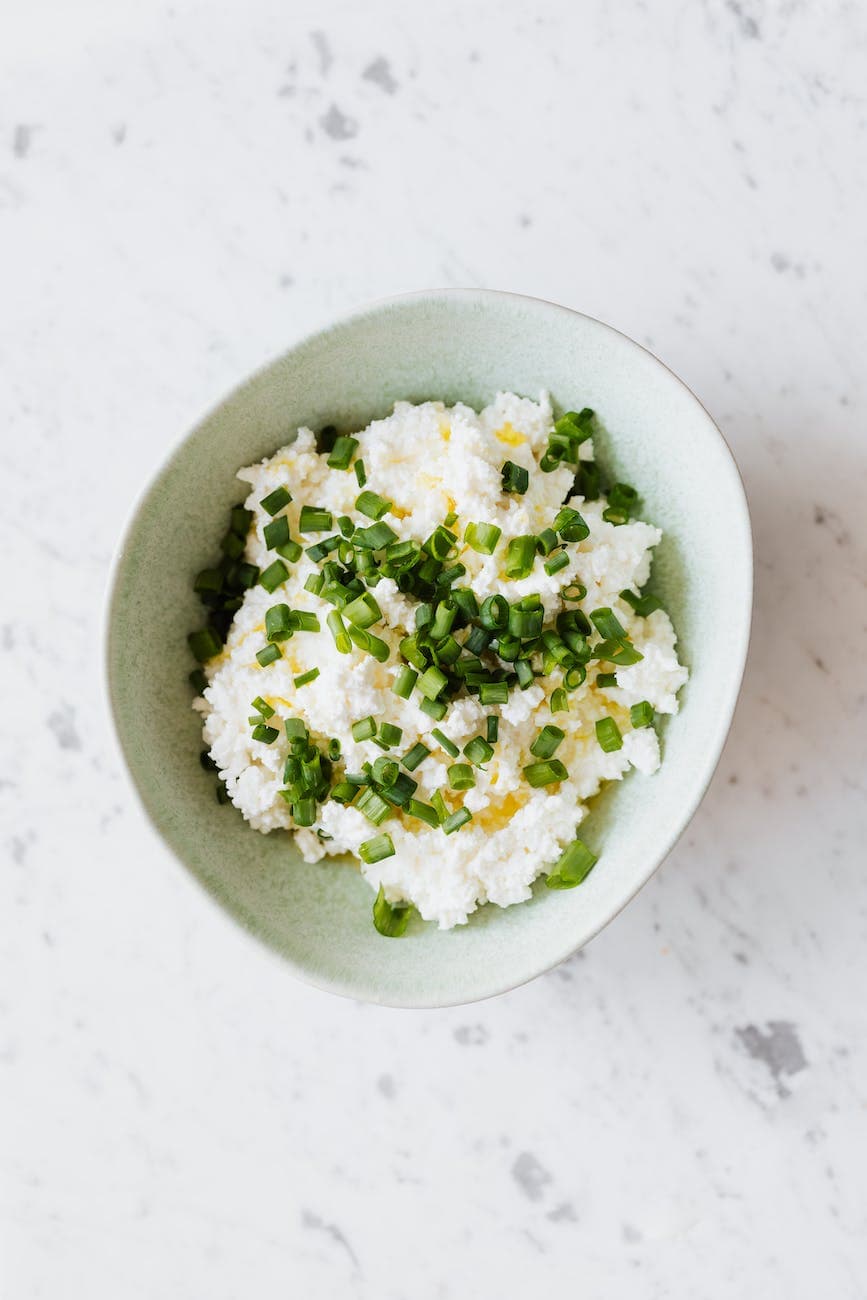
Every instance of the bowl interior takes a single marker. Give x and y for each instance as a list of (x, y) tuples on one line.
[(454, 345)]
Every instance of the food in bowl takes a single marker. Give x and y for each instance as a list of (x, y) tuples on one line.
[(427, 646)]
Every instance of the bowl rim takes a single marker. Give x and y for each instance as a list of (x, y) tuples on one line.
[(713, 753)]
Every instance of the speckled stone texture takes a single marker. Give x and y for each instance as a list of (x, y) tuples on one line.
[(681, 1109)]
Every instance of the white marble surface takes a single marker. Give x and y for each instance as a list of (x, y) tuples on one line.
[(681, 1110)]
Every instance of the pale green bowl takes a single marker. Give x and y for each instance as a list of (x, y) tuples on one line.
[(455, 345)]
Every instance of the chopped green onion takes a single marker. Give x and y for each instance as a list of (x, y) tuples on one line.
[(204, 644), (432, 683), (641, 714), (198, 681), (451, 519), (574, 591), (444, 743), (319, 550), (424, 812), (608, 624), (541, 774), (457, 820), (390, 734), (413, 757), (404, 682), (304, 678), (441, 543), (642, 605), (524, 673), (435, 709), (443, 619), (268, 654), (574, 677), (622, 500), (622, 653), (570, 525), (509, 647), (493, 693), (263, 707), (314, 520), (385, 771), (478, 751), (390, 922), (363, 729), (494, 613), (275, 500), (241, 519), (290, 550), (367, 641), (447, 650), (209, 580), (411, 650), (304, 620), (492, 725), (608, 735), (337, 628), (342, 452), (606, 680), (525, 623), (374, 538), (266, 734), (375, 850), (314, 583), (439, 804), (515, 478), (547, 742), (363, 611), (360, 472), (304, 811), (482, 537), (448, 576), (546, 541), (401, 791), (277, 532), (373, 806), (559, 701), (232, 546), (461, 776), (478, 640), (520, 556), (278, 623), (344, 792), (346, 526), (573, 866), (371, 504), (274, 576)]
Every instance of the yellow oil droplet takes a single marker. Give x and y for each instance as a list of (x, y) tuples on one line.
[(399, 512), (510, 436), (446, 433), (499, 814)]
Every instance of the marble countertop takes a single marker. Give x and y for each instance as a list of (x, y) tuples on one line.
[(681, 1109)]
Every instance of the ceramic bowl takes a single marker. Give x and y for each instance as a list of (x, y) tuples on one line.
[(455, 345)]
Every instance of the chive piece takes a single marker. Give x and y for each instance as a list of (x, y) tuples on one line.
[(344, 792), (334, 748), (457, 820), (423, 811), (314, 520), (607, 624), (304, 678), (441, 543), (573, 866), (304, 620), (465, 602), (277, 532), (442, 619), (275, 500), (524, 673), (374, 538), (478, 751), (268, 654), (278, 623), (461, 776), (559, 701), (540, 774), (444, 743), (241, 519), (263, 707), (493, 693), (232, 546), (570, 525), (451, 519), (404, 682), (478, 640), (432, 682), (342, 452), (556, 563), (209, 580), (622, 653), (482, 537), (494, 614), (492, 724), (411, 651), (337, 628), (319, 550), (547, 742), (515, 478), (641, 714), (574, 591), (204, 644), (413, 757), (520, 556), (198, 681), (608, 735), (363, 611), (525, 623), (642, 605), (360, 472), (266, 734), (390, 922), (372, 504), (367, 641), (574, 677), (401, 791), (375, 850), (435, 709), (373, 806), (385, 771), (274, 576), (622, 500), (390, 734), (290, 550), (440, 805), (546, 541), (314, 583), (363, 729), (606, 680)]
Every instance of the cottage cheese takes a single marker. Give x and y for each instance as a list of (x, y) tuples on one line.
[(429, 460)]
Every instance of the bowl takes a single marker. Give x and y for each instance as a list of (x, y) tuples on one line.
[(455, 345)]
